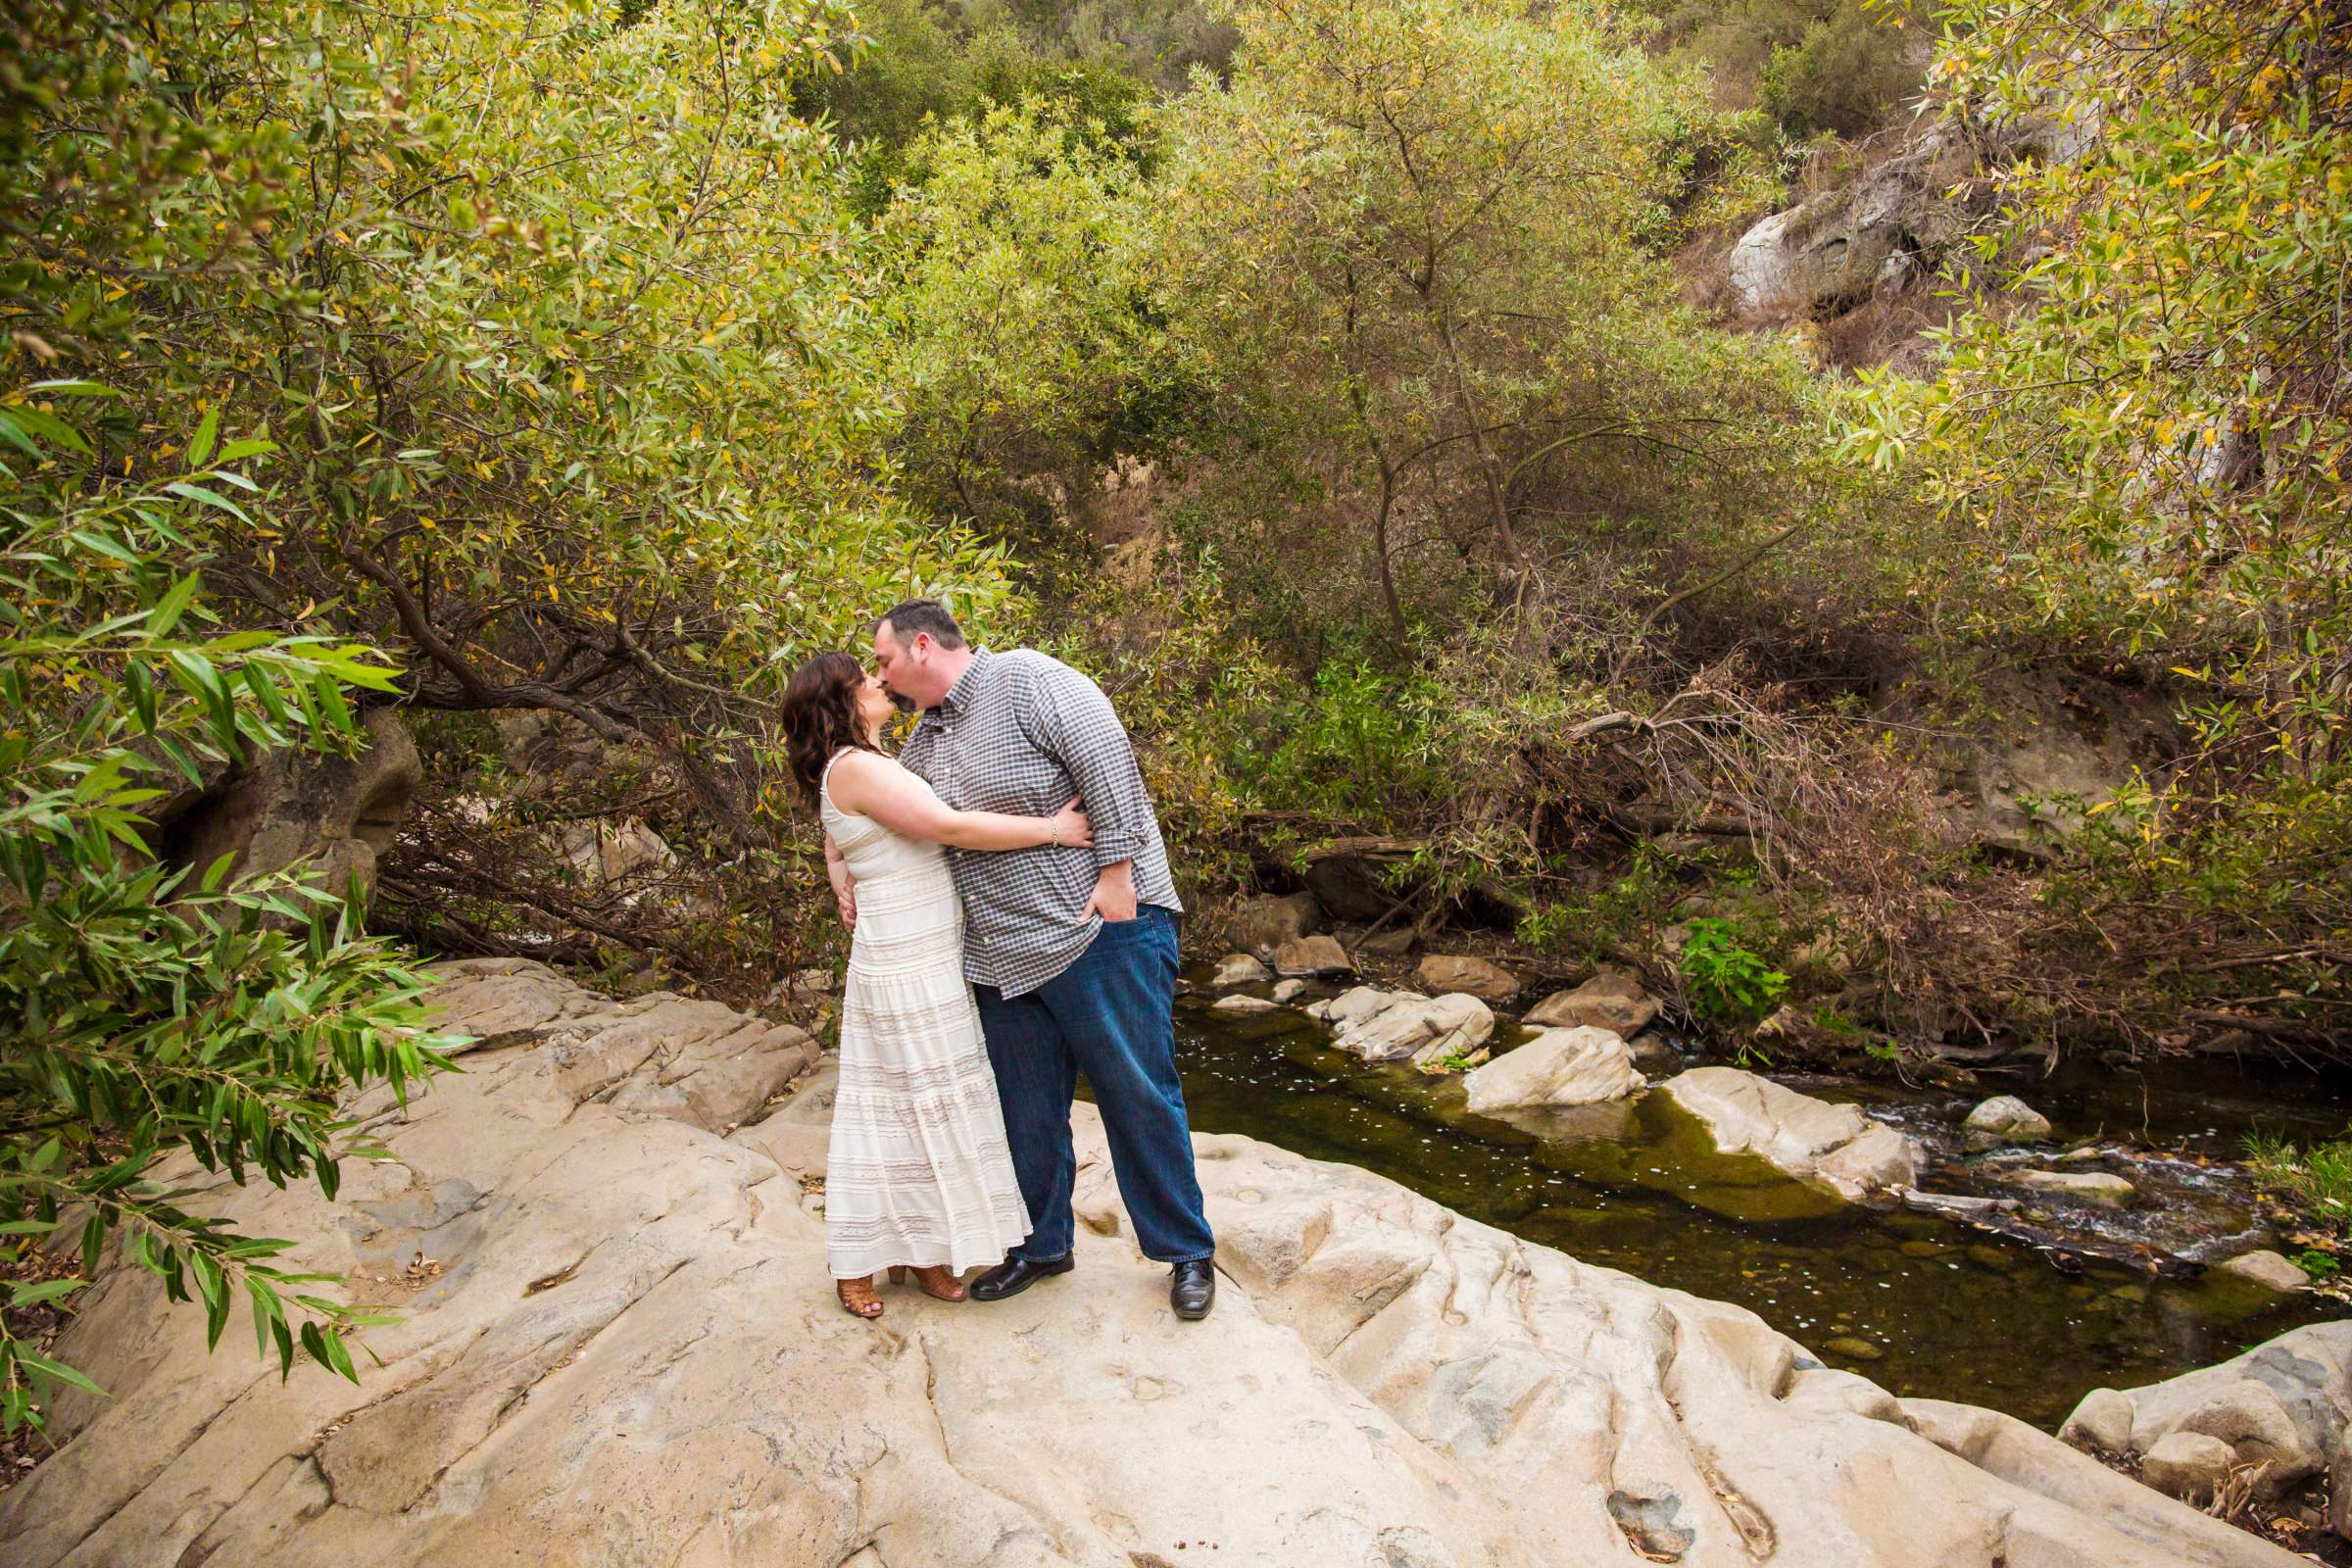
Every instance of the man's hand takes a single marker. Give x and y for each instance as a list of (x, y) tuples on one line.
[(1113, 898), (845, 886)]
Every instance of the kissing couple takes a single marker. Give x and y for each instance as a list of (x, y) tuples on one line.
[(1013, 925)]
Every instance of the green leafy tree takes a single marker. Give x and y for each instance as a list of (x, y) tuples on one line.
[(1422, 245), (147, 1009), (1024, 335), (558, 315)]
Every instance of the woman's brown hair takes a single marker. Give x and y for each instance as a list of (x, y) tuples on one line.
[(820, 715)]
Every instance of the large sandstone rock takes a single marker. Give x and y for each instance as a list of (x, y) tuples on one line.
[(632, 1355), (1558, 1067), (1404, 1025), (1267, 921), (1611, 999), (1312, 956), (1835, 1147), (1488, 982), (2284, 1404), (340, 814)]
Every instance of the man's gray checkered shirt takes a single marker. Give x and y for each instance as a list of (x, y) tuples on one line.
[(1021, 733)]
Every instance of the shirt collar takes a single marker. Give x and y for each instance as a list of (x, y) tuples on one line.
[(967, 683)]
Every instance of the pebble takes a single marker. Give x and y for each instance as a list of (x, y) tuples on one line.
[(1854, 1348)]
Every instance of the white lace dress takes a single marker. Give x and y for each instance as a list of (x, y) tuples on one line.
[(919, 1171)]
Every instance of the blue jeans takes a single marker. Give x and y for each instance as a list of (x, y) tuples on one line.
[(1110, 1016)]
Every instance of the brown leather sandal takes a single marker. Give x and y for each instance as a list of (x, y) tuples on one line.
[(934, 1278), (857, 1297)]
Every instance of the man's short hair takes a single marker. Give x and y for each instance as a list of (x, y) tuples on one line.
[(925, 615)]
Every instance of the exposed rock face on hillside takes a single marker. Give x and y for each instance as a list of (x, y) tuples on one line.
[(1885, 231), (627, 1352), (285, 805)]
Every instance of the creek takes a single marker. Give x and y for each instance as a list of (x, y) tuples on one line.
[(1921, 1305)]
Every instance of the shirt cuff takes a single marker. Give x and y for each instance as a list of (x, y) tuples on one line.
[(1117, 847)]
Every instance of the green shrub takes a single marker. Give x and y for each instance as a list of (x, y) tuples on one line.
[(1727, 982), (2317, 1178), (144, 1009)]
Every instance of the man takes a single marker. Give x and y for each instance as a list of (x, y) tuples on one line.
[(1071, 952)]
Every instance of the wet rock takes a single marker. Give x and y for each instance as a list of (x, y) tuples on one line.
[(1242, 1005), (1311, 955), (1854, 1348), (1286, 991), (1653, 1054), (1611, 999), (1237, 969), (1488, 982), (1267, 921), (1558, 1067), (2188, 1465), (1835, 1147), (1404, 1025), (2007, 1119), (2267, 1269), (2102, 1421), (1389, 944), (2084, 1186)]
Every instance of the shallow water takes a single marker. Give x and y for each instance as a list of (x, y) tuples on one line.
[(1920, 1304)]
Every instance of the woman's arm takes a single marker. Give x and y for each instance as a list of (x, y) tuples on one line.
[(872, 785), (845, 886)]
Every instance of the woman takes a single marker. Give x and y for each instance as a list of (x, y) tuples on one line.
[(917, 1175)]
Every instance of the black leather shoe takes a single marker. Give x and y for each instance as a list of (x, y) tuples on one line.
[(1015, 1275), (1192, 1289)]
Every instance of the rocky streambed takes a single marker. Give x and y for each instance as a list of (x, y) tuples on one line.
[(1986, 1286)]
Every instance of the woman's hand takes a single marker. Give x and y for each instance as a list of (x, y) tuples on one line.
[(1070, 826)]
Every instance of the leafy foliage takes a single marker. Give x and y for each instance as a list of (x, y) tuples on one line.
[(558, 316), (1727, 982), (2142, 463), (144, 1009)]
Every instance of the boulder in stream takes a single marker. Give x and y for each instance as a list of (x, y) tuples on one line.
[(1558, 1067), (1611, 999), (1237, 969), (2188, 1465), (2267, 1269), (1442, 972), (2006, 1119), (1312, 956), (631, 1354), (1405, 1026), (1830, 1145), (2098, 1187)]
